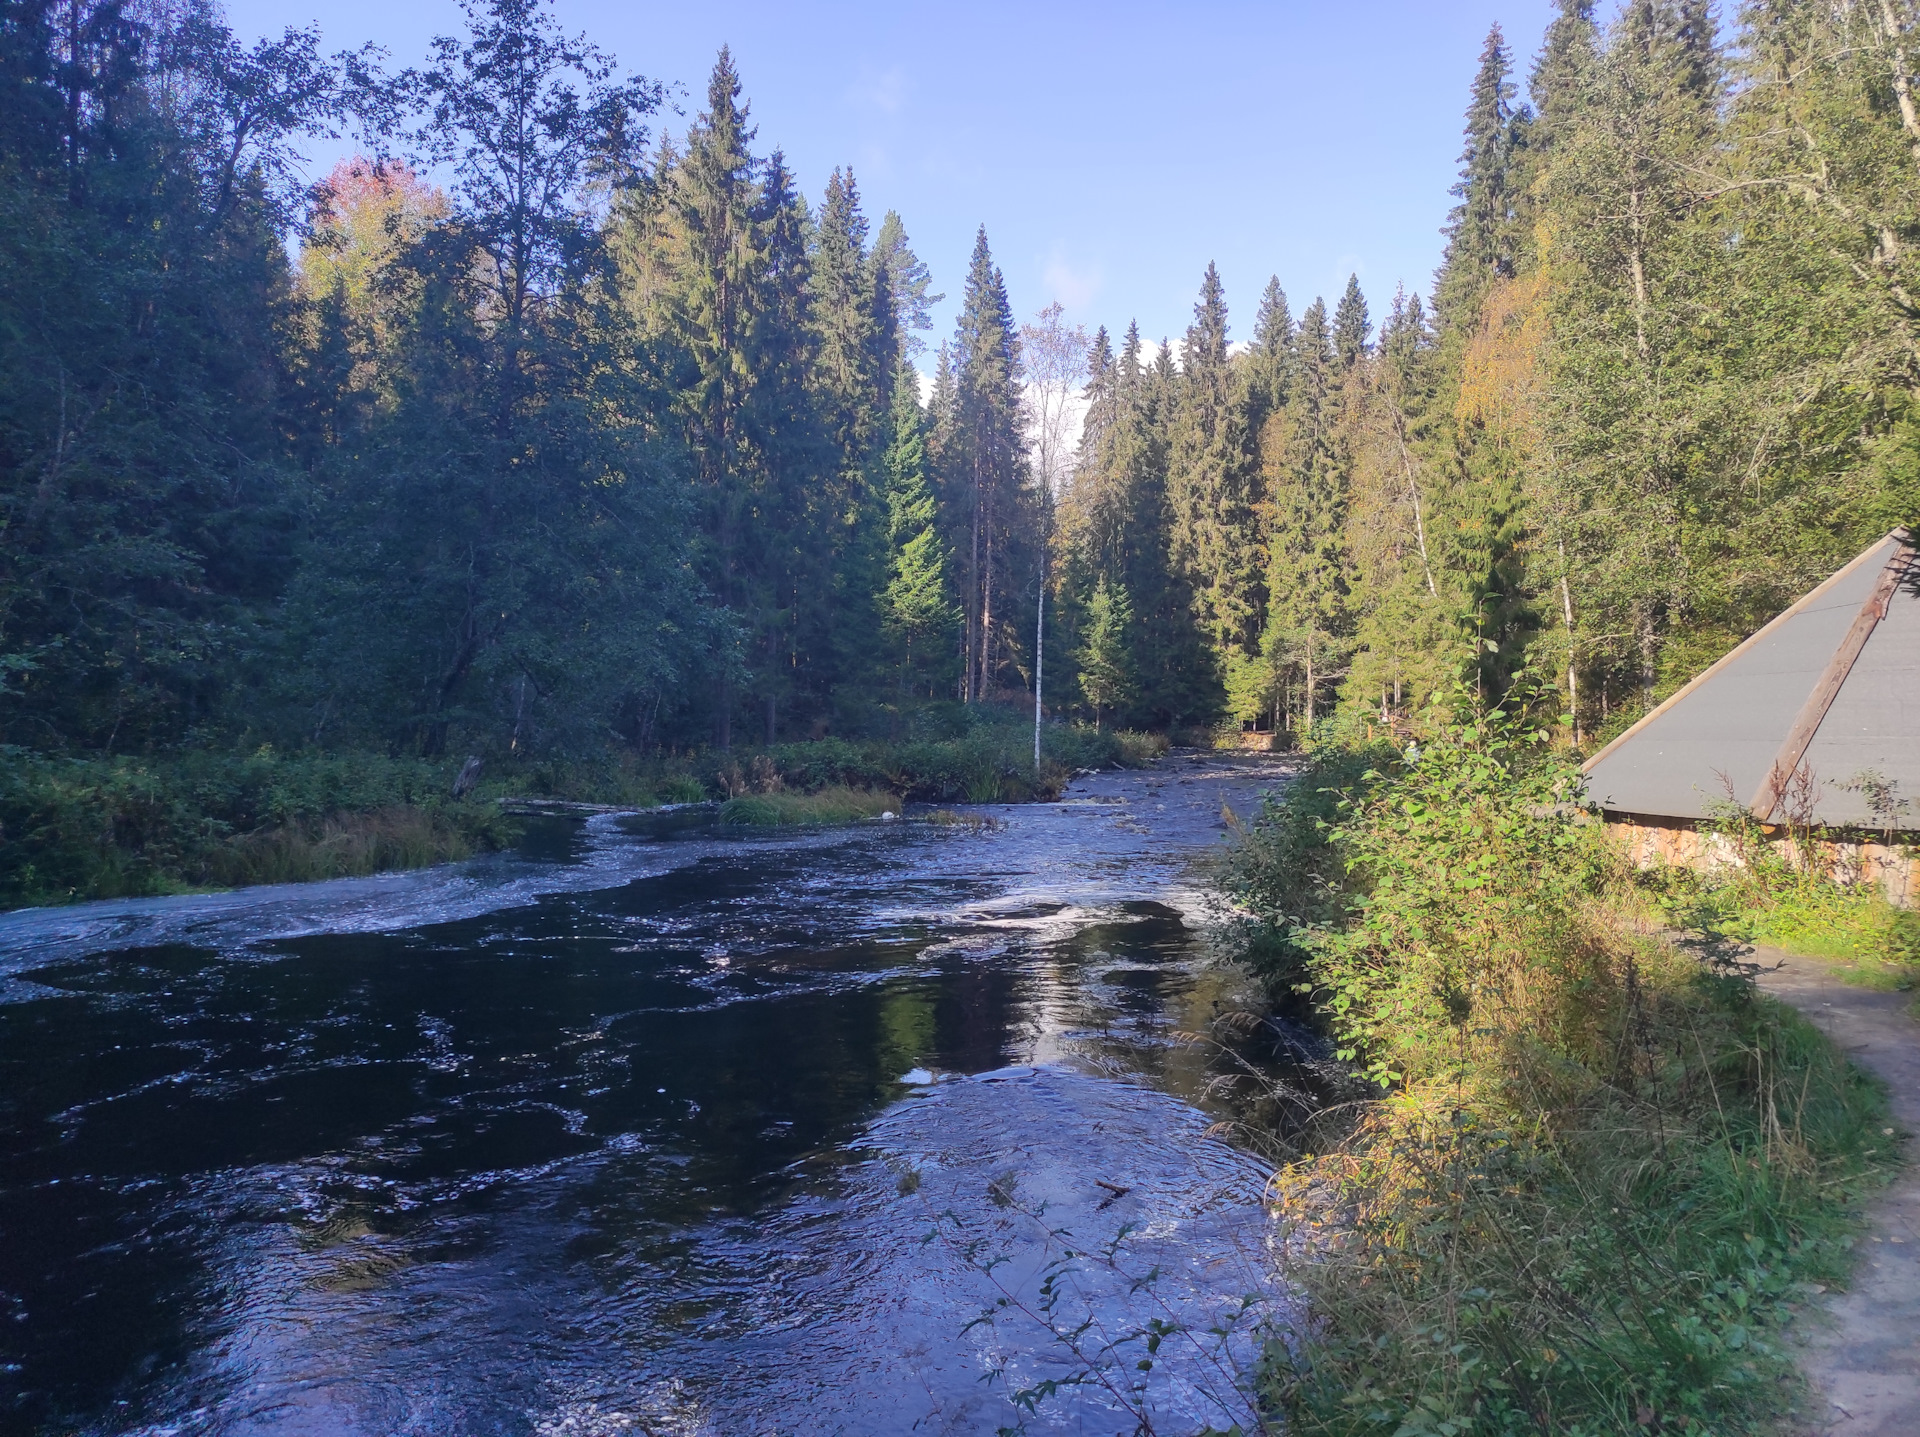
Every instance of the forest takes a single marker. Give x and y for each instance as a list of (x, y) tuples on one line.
[(564, 440)]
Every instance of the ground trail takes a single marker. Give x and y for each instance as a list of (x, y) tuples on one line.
[(1864, 1364)]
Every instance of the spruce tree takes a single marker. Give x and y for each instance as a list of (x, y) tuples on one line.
[(987, 465), (1270, 364), (1105, 656), (1308, 572), (1209, 478), (843, 308), (916, 606), (1561, 72), (1350, 325), (1482, 231)]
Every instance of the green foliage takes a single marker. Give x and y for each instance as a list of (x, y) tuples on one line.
[(992, 511), (1606, 1169), (1214, 538), (1106, 669), (915, 607), (76, 828), (1786, 891), (1430, 896)]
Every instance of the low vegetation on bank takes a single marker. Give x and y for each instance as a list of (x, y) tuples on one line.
[(1788, 894), (74, 828), (1601, 1169)]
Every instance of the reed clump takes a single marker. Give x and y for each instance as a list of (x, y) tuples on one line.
[(836, 804), (1602, 1170)]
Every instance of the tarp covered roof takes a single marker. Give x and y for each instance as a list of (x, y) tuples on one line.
[(1801, 722)]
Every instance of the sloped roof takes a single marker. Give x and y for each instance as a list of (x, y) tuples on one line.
[(1789, 723)]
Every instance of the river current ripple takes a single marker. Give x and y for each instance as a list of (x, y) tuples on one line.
[(643, 1132)]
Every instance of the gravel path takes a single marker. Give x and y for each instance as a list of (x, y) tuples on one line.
[(1865, 1363)]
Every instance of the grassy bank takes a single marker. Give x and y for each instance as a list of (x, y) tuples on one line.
[(1792, 901), (1599, 1172), (76, 828), (104, 828)]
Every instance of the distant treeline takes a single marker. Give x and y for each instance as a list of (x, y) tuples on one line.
[(555, 435)]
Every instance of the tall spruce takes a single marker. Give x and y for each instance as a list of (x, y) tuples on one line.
[(1482, 231), (916, 606), (1209, 480), (986, 467)]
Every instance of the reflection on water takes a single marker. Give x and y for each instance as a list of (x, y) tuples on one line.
[(639, 1132)]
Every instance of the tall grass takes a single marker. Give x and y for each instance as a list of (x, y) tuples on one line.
[(1601, 1170), (827, 805), (75, 828)]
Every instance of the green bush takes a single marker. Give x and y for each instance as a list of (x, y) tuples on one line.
[(1602, 1170), (110, 827)]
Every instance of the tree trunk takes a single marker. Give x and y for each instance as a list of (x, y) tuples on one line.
[(1039, 656), (986, 613), (968, 691), (1646, 658), (1573, 668)]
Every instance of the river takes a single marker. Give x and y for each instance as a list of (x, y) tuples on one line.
[(667, 1131)]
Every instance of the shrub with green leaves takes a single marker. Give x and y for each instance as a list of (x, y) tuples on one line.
[(1603, 1168)]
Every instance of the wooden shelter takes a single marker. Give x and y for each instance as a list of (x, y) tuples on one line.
[(1812, 726)]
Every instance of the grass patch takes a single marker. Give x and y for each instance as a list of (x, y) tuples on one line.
[(1789, 900), (828, 805), (1598, 1175)]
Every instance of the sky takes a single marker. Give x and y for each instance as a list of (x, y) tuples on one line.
[(1111, 150)]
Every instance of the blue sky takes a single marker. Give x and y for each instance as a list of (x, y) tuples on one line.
[(1111, 150)]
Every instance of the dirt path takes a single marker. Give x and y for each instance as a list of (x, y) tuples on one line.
[(1865, 1364)]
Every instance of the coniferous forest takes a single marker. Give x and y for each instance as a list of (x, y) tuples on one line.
[(570, 440)]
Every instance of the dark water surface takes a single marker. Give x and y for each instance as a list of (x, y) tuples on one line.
[(669, 1132)]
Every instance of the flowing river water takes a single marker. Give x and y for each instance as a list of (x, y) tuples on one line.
[(675, 1130)]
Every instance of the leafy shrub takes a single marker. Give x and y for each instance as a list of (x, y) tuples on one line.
[(1603, 1167)]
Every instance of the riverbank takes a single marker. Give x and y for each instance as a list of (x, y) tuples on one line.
[(73, 829), (1603, 1173)]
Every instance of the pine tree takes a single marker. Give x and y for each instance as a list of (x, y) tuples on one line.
[(908, 282)]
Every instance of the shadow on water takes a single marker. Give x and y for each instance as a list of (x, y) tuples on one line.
[(744, 1139)]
